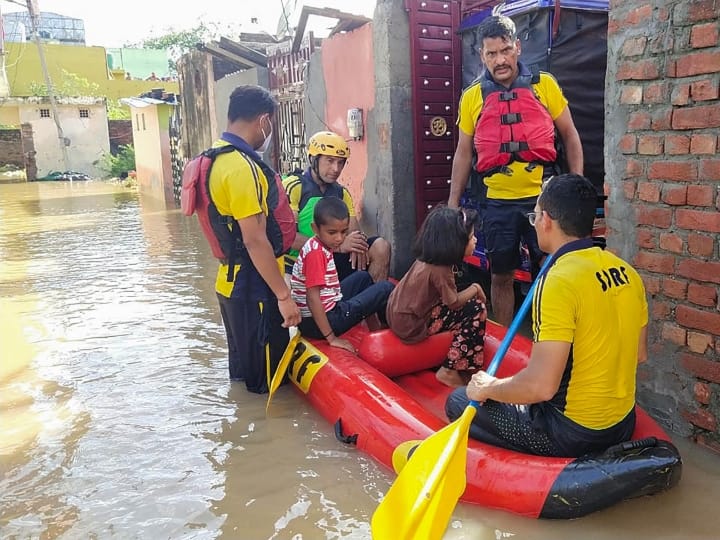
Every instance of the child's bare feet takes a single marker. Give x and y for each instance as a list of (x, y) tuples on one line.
[(449, 377)]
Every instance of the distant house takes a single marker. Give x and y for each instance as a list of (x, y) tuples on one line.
[(151, 138), (85, 127)]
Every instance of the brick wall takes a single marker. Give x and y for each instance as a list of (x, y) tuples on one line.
[(11, 149), (120, 133), (663, 115)]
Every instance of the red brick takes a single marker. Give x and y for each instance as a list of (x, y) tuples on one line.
[(655, 262), (628, 144), (697, 63), (704, 90), (638, 15), (673, 333), (662, 120), (704, 35), (639, 120), (657, 217), (702, 392), (697, 318), (648, 191), (673, 170), (629, 189), (670, 67), (631, 95), (671, 242), (701, 418), (702, 195), (634, 168), (655, 93), (652, 284), (680, 94), (677, 144), (661, 43), (675, 195), (703, 143), (660, 310), (634, 46), (699, 270), (702, 295), (651, 145), (709, 169), (706, 116), (662, 14), (699, 10), (646, 238), (701, 367), (699, 343), (674, 288), (638, 70), (700, 245), (697, 220)]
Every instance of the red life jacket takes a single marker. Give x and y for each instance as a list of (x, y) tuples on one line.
[(223, 231), (513, 126)]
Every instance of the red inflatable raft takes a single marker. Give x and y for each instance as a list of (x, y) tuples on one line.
[(386, 399)]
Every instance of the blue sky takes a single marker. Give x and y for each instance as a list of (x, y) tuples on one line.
[(112, 24)]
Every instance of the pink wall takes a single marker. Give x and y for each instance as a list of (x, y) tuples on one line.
[(347, 61)]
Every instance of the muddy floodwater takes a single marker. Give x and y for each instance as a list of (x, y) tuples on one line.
[(117, 419)]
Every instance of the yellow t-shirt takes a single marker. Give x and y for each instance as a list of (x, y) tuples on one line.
[(595, 301), (238, 188), (522, 183)]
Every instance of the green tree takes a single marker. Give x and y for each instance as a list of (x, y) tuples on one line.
[(178, 42)]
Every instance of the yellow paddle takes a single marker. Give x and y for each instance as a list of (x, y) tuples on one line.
[(282, 367), (421, 500)]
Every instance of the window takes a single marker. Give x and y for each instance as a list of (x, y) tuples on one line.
[(137, 122), (143, 119), (84, 113), (44, 113)]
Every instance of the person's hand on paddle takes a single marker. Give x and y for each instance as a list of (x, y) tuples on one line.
[(478, 388), (289, 311), (340, 343)]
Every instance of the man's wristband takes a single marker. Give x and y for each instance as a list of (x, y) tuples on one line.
[(330, 333)]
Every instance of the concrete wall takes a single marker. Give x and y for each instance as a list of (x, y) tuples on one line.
[(23, 68), (225, 86), (379, 173), (663, 181), (88, 136), (152, 152)]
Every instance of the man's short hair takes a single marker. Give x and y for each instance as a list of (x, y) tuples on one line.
[(329, 208), (571, 200), (250, 101), (497, 26)]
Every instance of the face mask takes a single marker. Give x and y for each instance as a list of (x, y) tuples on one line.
[(266, 142)]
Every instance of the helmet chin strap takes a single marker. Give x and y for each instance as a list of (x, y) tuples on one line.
[(314, 166)]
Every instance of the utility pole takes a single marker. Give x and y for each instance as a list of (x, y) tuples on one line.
[(4, 85), (64, 142)]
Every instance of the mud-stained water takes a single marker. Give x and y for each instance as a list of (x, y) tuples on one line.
[(117, 419)]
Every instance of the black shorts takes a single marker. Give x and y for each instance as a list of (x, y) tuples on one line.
[(537, 429), (342, 261), (505, 226)]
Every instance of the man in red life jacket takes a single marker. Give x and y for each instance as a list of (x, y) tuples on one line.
[(507, 119), (255, 301)]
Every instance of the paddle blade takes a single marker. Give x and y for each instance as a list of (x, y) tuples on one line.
[(282, 367), (422, 498)]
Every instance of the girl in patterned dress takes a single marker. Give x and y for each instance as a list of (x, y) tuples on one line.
[(426, 301)]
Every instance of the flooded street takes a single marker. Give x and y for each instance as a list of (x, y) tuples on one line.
[(117, 419)]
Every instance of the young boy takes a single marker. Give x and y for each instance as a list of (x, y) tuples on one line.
[(328, 307)]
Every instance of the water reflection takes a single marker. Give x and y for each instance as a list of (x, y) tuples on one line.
[(117, 418)]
